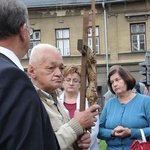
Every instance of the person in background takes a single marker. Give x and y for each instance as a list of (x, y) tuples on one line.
[(139, 87), (24, 123), (124, 115), (46, 72), (108, 95), (71, 98)]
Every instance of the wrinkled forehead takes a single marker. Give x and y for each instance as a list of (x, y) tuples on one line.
[(53, 59), (56, 63)]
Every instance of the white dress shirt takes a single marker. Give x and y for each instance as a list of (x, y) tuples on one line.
[(8, 53)]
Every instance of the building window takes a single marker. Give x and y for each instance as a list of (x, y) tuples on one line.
[(63, 41), (35, 39), (96, 38), (138, 37)]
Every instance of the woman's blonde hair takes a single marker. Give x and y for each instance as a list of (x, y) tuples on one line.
[(70, 69)]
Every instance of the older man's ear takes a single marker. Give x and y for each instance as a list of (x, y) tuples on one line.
[(31, 71)]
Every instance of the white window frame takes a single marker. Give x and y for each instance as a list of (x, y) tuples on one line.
[(63, 41), (138, 38), (34, 40), (96, 39)]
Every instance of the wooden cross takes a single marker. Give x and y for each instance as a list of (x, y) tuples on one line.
[(82, 47), (88, 69), (88, 65)]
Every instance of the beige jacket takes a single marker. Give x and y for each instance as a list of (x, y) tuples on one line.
[(66, 130)]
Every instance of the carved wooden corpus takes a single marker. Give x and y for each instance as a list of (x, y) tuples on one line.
[(91, 92)]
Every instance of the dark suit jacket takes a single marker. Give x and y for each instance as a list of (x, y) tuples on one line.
[(24, 123)]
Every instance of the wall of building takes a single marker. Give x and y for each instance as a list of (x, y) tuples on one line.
[(119, 17)]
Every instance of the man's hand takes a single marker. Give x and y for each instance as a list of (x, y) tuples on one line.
[(87, 117), (84, 141)]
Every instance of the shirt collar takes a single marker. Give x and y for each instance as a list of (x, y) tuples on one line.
[(8, 53), (45, 93)]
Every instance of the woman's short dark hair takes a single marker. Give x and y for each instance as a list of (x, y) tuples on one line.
[(124, 74)]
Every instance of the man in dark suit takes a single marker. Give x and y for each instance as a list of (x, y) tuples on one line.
[(24, 123)]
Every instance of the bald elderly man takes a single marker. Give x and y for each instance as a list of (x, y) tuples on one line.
[(46, 72)]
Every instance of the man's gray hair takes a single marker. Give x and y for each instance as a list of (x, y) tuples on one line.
[(13, 14)]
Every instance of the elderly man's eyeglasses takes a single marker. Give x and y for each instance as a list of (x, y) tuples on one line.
[(30, 30), (75, 81)]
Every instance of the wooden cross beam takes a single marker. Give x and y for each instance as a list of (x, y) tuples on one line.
[(82, 47), (88, 63), (88, 67)]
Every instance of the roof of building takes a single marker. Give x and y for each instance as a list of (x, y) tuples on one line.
[(46, 3)]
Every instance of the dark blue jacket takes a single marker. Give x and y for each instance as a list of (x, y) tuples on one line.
[(24, 123)]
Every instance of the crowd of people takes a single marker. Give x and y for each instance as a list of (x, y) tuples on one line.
[(34, 114)]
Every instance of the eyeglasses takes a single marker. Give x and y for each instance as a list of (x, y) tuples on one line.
[(30, 30), (75, 81)]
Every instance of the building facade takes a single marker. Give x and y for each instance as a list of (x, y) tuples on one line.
[(122, 30)]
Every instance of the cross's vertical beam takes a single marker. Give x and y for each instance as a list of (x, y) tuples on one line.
[(82, 47)]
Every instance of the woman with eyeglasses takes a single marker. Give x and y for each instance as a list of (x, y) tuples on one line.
[(71, 98)]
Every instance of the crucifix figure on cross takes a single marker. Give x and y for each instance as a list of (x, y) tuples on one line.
[(91, 91)]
